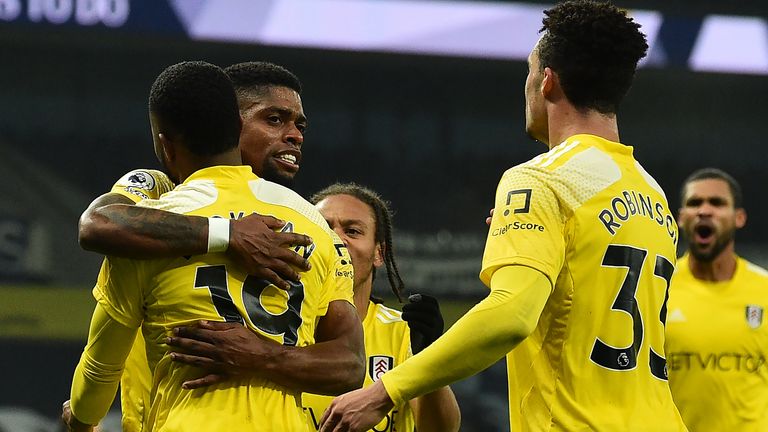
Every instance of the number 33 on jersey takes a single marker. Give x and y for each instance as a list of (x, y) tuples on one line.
[(589, 217)]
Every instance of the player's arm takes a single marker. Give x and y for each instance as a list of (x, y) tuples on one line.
[(436, 411), (97, 375), (113, 226), (333, 365), (485, 334)]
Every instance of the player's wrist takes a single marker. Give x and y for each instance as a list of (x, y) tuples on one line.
[(218, 234)]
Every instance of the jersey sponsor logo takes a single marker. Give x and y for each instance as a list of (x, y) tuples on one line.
[(719, 362), (378, 365), (754, 316), (630, 204), (522, 204), (518, 226), (141, 180)]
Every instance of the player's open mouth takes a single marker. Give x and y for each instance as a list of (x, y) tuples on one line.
[(289, 160), (703, 233)]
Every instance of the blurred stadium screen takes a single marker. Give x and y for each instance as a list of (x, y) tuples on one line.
[(495, 30)]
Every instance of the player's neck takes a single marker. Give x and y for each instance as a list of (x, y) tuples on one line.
[(720, 269), (566, 121), (362, 297)]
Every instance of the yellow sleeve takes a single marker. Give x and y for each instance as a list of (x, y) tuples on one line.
[(481, 337), (120, 289), (98, 373), (142, 184), (527, 227), (341, 277)]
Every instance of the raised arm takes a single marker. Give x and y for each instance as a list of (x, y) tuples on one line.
[(334, 365)]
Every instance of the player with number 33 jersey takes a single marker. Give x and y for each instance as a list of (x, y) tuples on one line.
[(589, 217)]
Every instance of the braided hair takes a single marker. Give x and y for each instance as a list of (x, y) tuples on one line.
[(383, 219)]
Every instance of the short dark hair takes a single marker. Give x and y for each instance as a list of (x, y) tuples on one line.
[(382, 217), (194, 101), (254, 78), (718, 174), (594, 48)]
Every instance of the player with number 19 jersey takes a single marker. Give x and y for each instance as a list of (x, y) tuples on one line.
[(591, 219), (159, 295)]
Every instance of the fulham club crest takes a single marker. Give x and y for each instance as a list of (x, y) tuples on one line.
[(754, 316), (379, 365)]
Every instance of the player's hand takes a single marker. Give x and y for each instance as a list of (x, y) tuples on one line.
[(358, 410), (423, 316), (223, 350), (73, 424), (264, 252), (489, 218)]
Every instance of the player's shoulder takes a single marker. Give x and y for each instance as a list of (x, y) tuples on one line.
[(578, 159), (186, 197), (281, 196), (143, 183), (386, 315), (754, 270)]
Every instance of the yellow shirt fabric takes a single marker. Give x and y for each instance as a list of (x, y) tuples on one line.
[(589, 217), (136, 381), (161, 294), (387, 344), (717, 343)]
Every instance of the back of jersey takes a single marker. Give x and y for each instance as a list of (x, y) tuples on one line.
[(589, 217), (184, 290)]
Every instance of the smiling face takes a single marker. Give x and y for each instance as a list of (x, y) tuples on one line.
[(354, 222), (708, 218), (273, 133)]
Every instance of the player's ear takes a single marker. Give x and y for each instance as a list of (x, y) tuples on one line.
[(378, 258), (741, 217), (548, 83), (166, 147)]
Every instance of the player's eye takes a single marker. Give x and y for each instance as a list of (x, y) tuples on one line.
[(274, 119)]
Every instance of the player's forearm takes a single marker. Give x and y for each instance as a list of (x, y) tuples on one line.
[(97, 375), (484, 335), (326, 368), (332, 366), (437, 411), (124, 230)]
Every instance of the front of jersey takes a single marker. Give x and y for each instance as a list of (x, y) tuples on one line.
[(387, 344), (159, 295), (589, 217), (717, 343)]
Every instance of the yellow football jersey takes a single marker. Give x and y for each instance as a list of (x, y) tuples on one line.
[(142, 184), (717, 345), (387, 344), (591, 219), (136, 382), (161, 294)]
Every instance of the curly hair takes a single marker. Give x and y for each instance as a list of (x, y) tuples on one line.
[(254, 78), (195, 102), (383, 219), (594, 48)]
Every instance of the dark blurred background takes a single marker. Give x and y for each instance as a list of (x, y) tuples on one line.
[(431, 130)]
